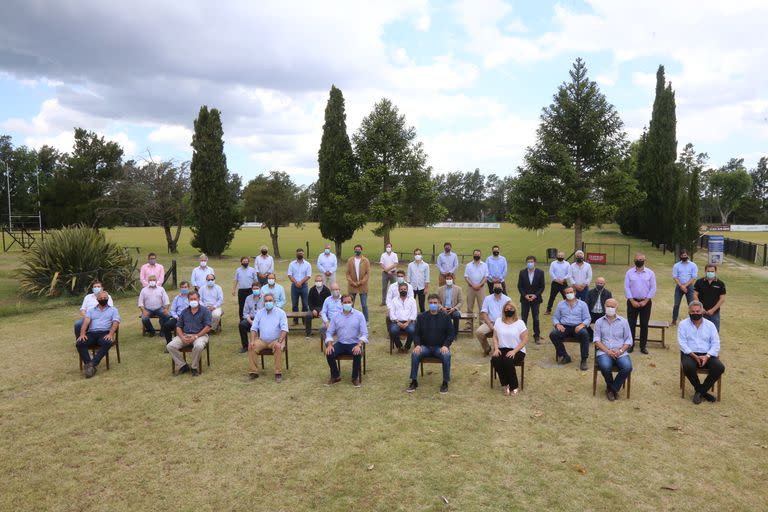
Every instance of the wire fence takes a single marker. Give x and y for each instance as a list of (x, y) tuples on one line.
[(741, 249)]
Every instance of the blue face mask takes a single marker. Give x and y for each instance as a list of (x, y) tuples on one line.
[(347, 307), (434, 307), (269, 305), (327, 251), (256, 292), (211, 283), (96, 289), (530, 265), (184, 291), (710, 275)]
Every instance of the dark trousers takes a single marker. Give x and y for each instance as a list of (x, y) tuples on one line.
[(308, 321), (456, 317), (94, 338), (557, 338), (554, 289), (715, 367), (154, 313), (645, 315), (244, 328), (505, 367), (168, 329), (363, 303), (242, 294), (394, 334), (490, 286), (594, 317), (583, 294), (296, 292), (419, 296), (343, 349), (533, 308), (430, 351)]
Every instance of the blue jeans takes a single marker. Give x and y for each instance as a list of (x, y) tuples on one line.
[(394, 333), (363, 303), (94, 338), (679, 298), (715, 319), (154, 313), (583, 294), (605, 363), (427, 351), (78, 326), (296, 292), (557, 337), (342, 349)]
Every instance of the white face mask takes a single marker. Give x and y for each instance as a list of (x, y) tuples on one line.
[(389, 250), (193, 303), (417, 257), (449, 282), (610, 311), (570, 296), (318, 284), (152, 284), (271, 282), (203, 264)]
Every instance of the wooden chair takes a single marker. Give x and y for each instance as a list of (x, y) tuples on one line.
[(429, 360), (144, 331), (95, 348), (467, 318), (188, 349), (615, 369), (700, 371), (520, 365), (268, 352), (350, 357), (295, 315), (403, 337)]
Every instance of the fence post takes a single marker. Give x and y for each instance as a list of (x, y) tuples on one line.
[(433, 253), (765, 255), (174, 273), (308, 255)]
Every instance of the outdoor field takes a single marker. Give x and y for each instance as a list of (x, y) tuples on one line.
[(137, 438), (759, 237)]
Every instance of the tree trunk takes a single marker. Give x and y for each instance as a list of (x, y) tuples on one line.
[(386, 236), (169, 240), (338, 250), (175, 247), (275, 248), (577, 235), (724, 217)]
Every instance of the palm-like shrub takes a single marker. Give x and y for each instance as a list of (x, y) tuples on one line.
[(68, 260)]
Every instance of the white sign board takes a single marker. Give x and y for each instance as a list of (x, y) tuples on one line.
[(468, 225), (749, 227)]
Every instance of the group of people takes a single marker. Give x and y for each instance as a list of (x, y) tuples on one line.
[(586, 315)]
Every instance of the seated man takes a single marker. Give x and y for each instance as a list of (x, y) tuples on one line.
[(402, 317), (449, 296), (351, 331), (89, 302), (699, 348), (490, 311), (612, 338), (276, 290), (192, 328), (571, 321), (271, 324), (253, 303), (433, 338), (331, 307), (99, 327), (393, 292), (179, 304), (317, 296), (212, 297), (596, 299), (153, 302)]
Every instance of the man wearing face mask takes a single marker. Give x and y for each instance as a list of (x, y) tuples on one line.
[(90, 302), (351, 333), (276, 290), (299, 272), (559, 270), (571, 320), (684, 274), (418, 277), (402, 316), (580, 275), (613, 338), (392, 291), (450, 298), (358, 273), (326, 263), (492, 310), (151, 268), (710, 291), (447, 263), (253, 303), (699, 348), (388, 262), (497, 269), (179, 304), (269, 330), (212, 298), (432, 338), (530, 284), (200, 273), (245, 276), (99, 327), (317, 296), (153, 303), (332, 306), (191, 329), (265, 265), (476, 275), (596, 299), (640, 288)]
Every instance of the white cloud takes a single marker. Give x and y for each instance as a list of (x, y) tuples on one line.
[(176, 135)]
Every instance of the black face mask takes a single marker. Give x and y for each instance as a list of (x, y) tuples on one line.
[(264, 253), (696, 316), (104, 302), (299, 257), (560, 259), (579, 260), (476, 258), (684, 258), (495, 253), (447, 249), (509, 313), (497, 291), (403, 293), (599, 287), (639, 263), (245, 265)]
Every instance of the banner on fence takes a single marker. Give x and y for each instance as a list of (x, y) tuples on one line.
[(716, 246), (468, 225), (717, 227), (600, 258), (253, 225), (749, 227)]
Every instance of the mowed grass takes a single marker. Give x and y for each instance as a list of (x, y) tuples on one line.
[(136, 438)]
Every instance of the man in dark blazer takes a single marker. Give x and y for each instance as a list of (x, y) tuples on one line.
[(530, 284), (596, 301)]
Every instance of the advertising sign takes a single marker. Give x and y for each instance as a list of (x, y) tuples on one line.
[(600, 258), (716, 247)]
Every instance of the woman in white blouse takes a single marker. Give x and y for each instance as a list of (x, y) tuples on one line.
[(510, 335)]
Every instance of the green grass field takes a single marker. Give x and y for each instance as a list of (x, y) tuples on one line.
[(136, 438)]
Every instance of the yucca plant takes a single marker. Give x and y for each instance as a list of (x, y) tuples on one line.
[(68, 260)]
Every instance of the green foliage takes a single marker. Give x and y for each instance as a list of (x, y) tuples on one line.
[(68, 260), (728, 185), (214, 191), (691, 166), (461, 194)]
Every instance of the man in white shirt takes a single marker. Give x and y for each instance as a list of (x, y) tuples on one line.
[(699, 348), (200, 273), (154, 303), (581, 276), (402, 316), (299, 272), (264, 264), (90, 302), (327, 263), (212, 298), (492, 308), (476, 275), (559, 270), (447, 263), (388, 264), (418, 277)]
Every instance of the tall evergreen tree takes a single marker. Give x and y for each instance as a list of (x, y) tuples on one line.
[(340, 204), (214, 192), (691, 166)]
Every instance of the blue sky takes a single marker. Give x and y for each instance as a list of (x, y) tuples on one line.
[(471, 76)]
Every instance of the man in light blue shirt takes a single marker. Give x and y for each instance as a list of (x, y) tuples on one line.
[(571, 321), (99, 327), (331, 307), (212, 298), (179, 304), (327, 263), (699, 348), (559, 270), (274, 289), (245, 275), (497, 269), (418, 277), (299, 272), (612, 338), (351, 333), (684, 273), (200, 273), (476, 275), (253, 304), (271, 324), (492, 308), (447, 263)]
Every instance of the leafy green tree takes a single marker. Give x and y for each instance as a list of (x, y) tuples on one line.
[(728, 185), (691, 165), (497, 192), (753, 209), (565, 177), (214, 191)]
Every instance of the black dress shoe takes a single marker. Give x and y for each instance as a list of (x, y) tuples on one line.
[(644, 350), (195, 372), (444, 388), (412, 386), (566, 359), (697, 398), (243, 350), (709, 397), (610, 395), (183, 369)]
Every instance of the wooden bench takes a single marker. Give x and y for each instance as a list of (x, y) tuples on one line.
[(520, 365), (615, 369), (350, 357), (467, 318), (268, 352), (700, 371), (95, 348), (188, 349), (661, 326), (301, 325)]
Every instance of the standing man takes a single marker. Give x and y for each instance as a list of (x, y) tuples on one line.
[(571, 321), (447, 263), (402, 316), (245, 276), (596, 299), (476, 275), (449, 296), (418, 277), (530, 284), (710, 291), (153, 302), (326, 263), (580, 274), (559, 270), (331, 307), (684, 274), (493, 306), (179, 304), (317, 296), (358, 273), (253, 304), (191, 329), (699, 348), (351, 332), (271, 324), (497, 269), (433, 337), (212, 298), (276, 290), (99, 327), (265, 265), (640, 288), (388, 264), (613, 337), (299, 272), (151, 268), (200, 273)]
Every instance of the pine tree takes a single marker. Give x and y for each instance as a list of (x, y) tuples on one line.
[(691, 166)]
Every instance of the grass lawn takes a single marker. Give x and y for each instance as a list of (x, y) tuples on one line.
[(136, 438)]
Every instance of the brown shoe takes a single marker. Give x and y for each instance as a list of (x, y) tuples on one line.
[(333, 381), (278, 378), (356, 382)]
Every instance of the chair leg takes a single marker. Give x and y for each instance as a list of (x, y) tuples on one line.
[(421, 363), (522, 376), (594, 378), (682, 383), (117, 346), (628, 383), (107, 358), (391, 345), (363, 365), (286, 355), (208, 353), (719, 387), (493, 374)]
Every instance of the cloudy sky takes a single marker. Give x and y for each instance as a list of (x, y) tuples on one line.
[(470, 75)]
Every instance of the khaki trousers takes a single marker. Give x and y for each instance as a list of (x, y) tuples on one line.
[(215, 319), (259, 345), (475, 296), (175, 346), (481, 334)]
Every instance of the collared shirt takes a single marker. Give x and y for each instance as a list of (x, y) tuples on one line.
[(497, 267), (393, 293), (252, 305), (357, 260), (448, 296), (327, 263), (264, 264), (331, 308), (349, 328), (531, 274), (493, 307), (245, 277), (640, 285), (101, 320), (180, 303), (559, 269), (434, 330), (192, 323), (299, 270), (418, 275), (509, 334), (447, 262), (147, 270), (701, 339), (572, 315), (388, 259), (709, 293), (199, 274), (476, 272), (580, 274), (90, 302), (277, 291), (153, 298), (684, 271), (211, 296), (270, 324), (402, 310), (613, 334)]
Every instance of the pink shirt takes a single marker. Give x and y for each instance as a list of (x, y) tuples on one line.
[(148, 270)]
